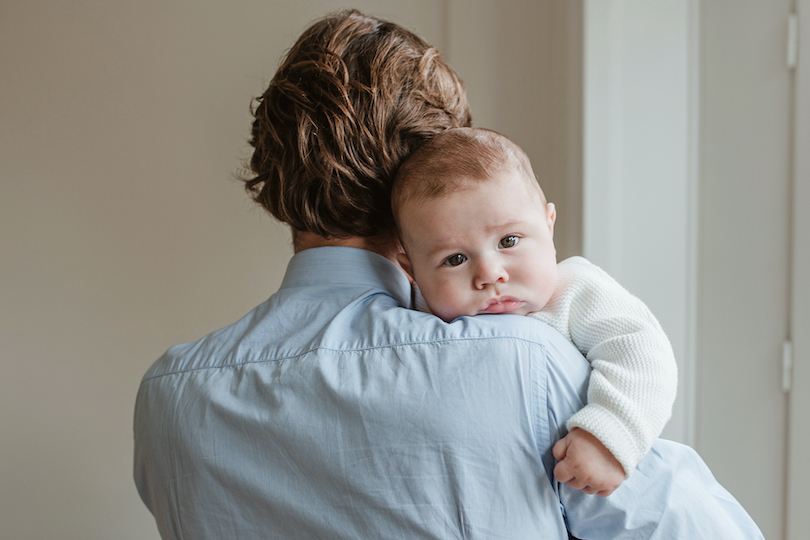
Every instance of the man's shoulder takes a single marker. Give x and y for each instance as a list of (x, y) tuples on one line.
[(498, 330), (273, 332), (216, 349), (412, 325)]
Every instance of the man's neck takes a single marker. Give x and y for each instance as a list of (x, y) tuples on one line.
[(388, 247)]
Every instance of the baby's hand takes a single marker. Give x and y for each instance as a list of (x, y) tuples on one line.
[(584, 463)]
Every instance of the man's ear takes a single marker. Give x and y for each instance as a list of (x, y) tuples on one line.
[(405, 263)]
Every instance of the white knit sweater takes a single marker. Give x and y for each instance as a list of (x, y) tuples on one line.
[(634, 378)]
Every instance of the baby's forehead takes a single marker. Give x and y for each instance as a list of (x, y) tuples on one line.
[(492, 196), (445, 189), (482, 185)]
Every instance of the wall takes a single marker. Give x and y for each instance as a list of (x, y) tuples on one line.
[(122, 231)]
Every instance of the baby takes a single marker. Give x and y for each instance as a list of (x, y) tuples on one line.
[(478, 238)]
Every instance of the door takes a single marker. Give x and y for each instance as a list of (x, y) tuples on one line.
[(798, 471)]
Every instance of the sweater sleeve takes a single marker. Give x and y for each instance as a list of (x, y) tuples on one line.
[(634, 379)]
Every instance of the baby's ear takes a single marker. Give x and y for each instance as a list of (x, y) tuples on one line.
[(551, 216), (405, 263)]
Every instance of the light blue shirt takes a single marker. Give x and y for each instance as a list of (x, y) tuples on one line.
[(334, 411)]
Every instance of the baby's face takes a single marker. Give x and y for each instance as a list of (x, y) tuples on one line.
[(487, 248)]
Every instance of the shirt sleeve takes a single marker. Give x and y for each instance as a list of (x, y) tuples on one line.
[(672, 495), (634, 375)]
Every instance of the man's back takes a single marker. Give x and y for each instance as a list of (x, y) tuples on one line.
[(330, 411)]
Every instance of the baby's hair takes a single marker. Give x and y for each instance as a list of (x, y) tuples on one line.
[(452, 160)]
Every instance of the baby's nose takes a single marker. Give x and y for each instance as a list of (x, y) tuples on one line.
[(489, 273)]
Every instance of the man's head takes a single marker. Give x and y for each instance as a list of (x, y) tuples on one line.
[(475, 225), (353, 97)]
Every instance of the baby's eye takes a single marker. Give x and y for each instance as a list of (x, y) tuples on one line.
[(509, 241), (455, 260)]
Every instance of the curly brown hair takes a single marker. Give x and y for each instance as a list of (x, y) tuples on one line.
[(354, 96)]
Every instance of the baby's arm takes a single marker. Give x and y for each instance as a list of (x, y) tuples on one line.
[(633, 382)]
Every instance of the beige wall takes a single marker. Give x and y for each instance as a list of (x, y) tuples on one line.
[(122, 232)]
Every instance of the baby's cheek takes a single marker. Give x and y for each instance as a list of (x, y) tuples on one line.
[(542, 285), (455, 302)]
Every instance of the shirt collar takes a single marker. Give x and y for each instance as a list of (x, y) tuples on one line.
[(332, 265)]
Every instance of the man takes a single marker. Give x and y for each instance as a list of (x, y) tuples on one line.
[(334, 411)]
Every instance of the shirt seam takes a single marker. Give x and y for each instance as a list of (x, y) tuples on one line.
[(336, 350)]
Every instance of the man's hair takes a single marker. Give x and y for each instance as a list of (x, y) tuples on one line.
[(353, 97), (453, 160)]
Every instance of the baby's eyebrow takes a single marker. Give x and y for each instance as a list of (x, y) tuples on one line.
[(444, 245), (450, 246), (441, 250), (504, 225)]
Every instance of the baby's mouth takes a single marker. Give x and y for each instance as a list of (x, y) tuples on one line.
[(501, 304)]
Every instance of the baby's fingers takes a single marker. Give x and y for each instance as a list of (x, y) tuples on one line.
[(564, 473), (560, 448)]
